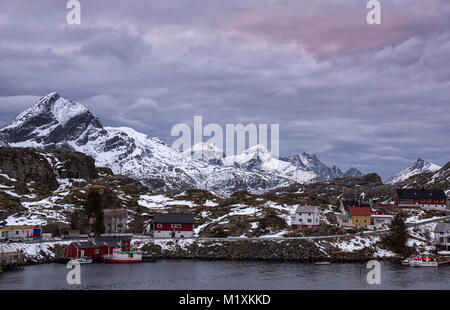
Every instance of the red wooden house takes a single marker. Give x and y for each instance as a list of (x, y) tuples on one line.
[(426, 198), (97, 247), (173, 225)]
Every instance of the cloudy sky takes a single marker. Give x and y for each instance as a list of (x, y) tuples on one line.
[(371, 96)]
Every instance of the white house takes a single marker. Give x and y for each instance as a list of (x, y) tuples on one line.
[(20, 232), (381, 221), (442, 236), (305, 216)]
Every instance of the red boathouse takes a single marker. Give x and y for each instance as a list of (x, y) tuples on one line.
[(97, 247)]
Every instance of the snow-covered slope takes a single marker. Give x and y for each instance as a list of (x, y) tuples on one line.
[(420, 166), (310, 162), (207, 152), (259, 159), (58, 123)]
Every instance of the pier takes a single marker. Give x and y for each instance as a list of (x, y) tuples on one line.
[(11, 261)]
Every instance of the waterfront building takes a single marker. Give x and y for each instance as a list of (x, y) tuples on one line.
[(97, 247), (173, 225), (20, 233)]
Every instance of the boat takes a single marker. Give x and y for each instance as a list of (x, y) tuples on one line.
[(322, 263), (118, 256), (424, 262), (84, 260)]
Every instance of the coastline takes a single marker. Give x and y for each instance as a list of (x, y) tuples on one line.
[(226, 250)]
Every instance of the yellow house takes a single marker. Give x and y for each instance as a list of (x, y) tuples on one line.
[(360, 216)]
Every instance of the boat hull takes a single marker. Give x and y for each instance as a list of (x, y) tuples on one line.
[(424, 264), (122, 261)]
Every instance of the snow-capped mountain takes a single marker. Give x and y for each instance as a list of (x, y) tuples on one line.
[(310, 162), (353, 172), (259, 159), (58, 123), (207, 152), (420, 166)]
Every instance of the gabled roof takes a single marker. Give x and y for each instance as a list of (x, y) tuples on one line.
[(174, 218), (360, 211), (442, 227), (306, 209), (85, 245), (353, 203), (411, 193), (112, 239)]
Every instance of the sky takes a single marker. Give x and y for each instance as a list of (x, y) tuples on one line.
[(375, 97)]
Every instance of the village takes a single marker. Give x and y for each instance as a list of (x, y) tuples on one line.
[(114, 244)]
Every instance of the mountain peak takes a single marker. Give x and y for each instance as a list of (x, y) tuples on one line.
[(419, 166), (52, 120), (353, 172)]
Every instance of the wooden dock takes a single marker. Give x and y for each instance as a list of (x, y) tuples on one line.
[(11, 261)]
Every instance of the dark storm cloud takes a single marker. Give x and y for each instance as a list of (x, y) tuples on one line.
[(375, 97)]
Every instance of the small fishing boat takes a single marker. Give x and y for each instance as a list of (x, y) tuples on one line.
[(424, 262), (122, 257), (84, 260)]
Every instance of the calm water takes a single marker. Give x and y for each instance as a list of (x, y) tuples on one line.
[(189, 274)]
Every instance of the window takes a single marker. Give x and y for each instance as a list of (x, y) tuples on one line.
[(309, 220), (429, 200), (365, 221), (356, 221), (300, 220), (97, 251), (159, 225)]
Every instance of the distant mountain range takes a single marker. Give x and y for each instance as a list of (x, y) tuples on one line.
[(420, 166), (58, 123)]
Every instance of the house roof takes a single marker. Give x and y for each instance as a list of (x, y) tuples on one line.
[(360, 211), (109, 241), (411, 193), (442, 227), (113, 239), (306, 209), (353, 203), (85, 245), (179, 218)]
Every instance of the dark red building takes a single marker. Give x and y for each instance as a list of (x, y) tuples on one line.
[(427, 198), (97, 247), (173, 225)]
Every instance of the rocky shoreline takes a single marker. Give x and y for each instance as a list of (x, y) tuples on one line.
[(240, 250), (267, 250)]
